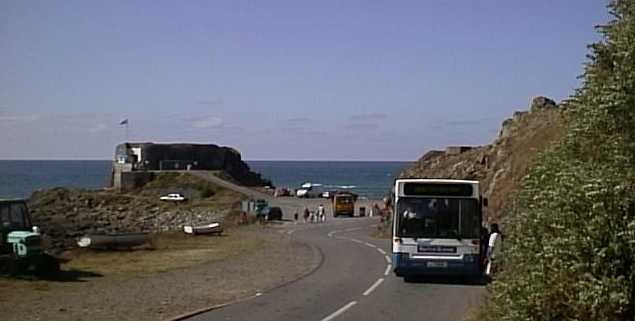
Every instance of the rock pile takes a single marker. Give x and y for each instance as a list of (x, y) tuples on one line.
[(66, 214)]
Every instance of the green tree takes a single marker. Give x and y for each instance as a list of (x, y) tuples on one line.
[(570, 250)]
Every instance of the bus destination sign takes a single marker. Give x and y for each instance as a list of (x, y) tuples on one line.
[(435, 189)]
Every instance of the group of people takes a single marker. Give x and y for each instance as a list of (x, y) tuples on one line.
[(318, 216)]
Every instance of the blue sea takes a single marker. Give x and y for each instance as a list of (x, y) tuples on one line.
[(369, 179)]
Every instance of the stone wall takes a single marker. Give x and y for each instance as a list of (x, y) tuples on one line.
[(133, 180)]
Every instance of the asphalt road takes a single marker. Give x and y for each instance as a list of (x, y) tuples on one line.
[(354, 281)]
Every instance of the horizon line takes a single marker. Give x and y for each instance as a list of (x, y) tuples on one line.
[(245, 160)]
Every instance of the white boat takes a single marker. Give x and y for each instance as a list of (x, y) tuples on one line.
[(309, 185), (213, 228)]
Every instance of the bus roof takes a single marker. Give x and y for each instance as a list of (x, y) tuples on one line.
[(435, 187), (12, 200), (435, 180)]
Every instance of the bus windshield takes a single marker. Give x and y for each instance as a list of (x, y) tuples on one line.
[(438, 218), (344, 199)]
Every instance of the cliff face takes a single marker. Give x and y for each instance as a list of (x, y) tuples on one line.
[(501, 165)]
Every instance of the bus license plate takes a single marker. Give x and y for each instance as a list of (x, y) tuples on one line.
[(437, 264)]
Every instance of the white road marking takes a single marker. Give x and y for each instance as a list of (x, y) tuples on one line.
[(373, 287), (381, 251), (357, 241), (332, 233), (371, 245), (339, 312), (388, 259), (388, 269)]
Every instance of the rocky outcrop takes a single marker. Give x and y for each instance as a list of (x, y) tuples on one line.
[(66, 214), (501, 165), (541, 103)]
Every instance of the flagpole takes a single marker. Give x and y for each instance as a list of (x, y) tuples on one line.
[(125, 123)]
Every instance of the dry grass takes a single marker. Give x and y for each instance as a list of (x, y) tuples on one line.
[(212, 196), (171, 251)]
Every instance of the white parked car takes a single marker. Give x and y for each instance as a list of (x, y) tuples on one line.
[(302, 192), (173, 197)]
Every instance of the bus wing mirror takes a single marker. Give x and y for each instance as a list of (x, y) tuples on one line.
[(485, 202)]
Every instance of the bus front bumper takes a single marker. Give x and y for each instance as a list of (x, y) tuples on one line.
[(406, 266)]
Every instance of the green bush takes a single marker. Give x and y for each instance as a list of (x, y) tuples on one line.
[(570, 245)]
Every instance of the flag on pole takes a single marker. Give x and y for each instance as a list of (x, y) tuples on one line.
[(124, 122)]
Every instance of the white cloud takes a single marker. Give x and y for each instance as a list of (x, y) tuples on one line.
[(97, 128), (368, 117), (215, 101), (19, 118), (299, 120), (207, 122)]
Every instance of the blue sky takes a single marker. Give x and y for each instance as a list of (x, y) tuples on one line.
[(281, 80)]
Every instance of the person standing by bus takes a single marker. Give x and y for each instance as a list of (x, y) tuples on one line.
[(483, 246), (494, 249)]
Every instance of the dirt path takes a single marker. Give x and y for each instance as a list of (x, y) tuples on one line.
[(160, 296)]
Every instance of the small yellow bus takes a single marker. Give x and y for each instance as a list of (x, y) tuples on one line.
[(344, 204)]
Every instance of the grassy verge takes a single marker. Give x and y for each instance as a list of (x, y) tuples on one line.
[(171, 251), (209, 194)]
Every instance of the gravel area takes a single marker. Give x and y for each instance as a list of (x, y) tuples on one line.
[(163, 295)]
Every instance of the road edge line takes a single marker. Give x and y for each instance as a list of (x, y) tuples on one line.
[(373, 287)]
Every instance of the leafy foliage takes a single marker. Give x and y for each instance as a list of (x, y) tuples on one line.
[(570, 250)]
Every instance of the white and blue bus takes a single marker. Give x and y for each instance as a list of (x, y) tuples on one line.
[(437, 228)]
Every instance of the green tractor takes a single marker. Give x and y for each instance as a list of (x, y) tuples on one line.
[(21, 248)]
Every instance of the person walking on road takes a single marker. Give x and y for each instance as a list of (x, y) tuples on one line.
[(494, 250), (321, 216), (306, 215)]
